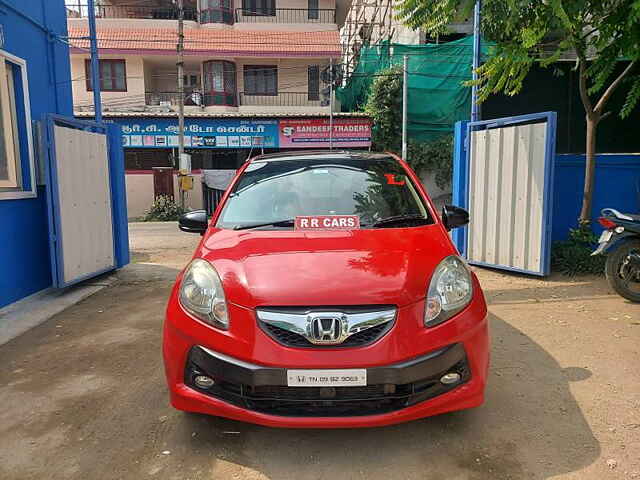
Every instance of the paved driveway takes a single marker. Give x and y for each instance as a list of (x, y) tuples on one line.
[(83, 395)]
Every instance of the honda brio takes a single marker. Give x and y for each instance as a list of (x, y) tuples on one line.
[(326, 292)]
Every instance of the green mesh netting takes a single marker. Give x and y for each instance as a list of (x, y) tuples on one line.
[(437, 98)]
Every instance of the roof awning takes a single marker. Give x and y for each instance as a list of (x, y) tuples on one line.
[(223, 43)]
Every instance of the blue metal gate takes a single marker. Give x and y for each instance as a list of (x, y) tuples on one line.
[(86, 199), (503, 174)]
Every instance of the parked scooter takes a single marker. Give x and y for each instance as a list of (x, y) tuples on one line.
[(621, 242)]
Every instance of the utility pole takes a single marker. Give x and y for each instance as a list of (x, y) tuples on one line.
[(477, 52), (95, 61), (405, 91), (330, 103), (180, 64)]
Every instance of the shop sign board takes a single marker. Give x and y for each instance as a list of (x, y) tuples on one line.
[(315, 132), (200, 133), (241, 133)]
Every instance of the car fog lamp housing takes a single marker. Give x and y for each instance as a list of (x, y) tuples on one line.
[(450, 378), (202, 381), (449, 292), (202, 295)]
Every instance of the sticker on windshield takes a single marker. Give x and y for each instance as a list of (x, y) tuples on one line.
[(391, 179), (327, 222)]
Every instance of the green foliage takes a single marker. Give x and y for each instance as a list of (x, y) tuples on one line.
[(573, 256), (435, 157), (384, 106), (163, 209), (600, 32), (632, 98)]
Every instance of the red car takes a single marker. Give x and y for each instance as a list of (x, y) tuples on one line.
[(326, 293)]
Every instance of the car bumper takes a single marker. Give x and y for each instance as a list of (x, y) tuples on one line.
[(226, 397), (406, 365)]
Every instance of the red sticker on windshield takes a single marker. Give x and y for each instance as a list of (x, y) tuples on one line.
[(391, 179), (327, 222)]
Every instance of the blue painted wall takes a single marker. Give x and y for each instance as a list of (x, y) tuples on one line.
[(30, 27), (459, 182), (617, 186)]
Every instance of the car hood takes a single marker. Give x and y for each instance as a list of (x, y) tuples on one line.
[(330, 268)]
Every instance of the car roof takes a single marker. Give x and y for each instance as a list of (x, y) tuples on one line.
[(324, 155)]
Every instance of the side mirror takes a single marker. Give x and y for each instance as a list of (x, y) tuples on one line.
[(454, 217), (194, 222)]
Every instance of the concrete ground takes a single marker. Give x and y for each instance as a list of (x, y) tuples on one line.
[(82, 396)]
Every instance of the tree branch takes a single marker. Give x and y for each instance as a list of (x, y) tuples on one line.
[(612, 88), (584, 94), (589, 33)]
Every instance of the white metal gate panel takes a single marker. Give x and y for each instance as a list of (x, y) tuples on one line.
[(507, 182), (85, 227)]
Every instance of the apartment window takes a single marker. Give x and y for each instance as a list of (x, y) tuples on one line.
[(260, 80), (259, 7), (313, 12), (113, 75), (313, 82), (9, 151), (219, 83), (216, 11), (17, 169), (191, 81)]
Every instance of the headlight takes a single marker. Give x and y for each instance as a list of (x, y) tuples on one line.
[(449, 292), (201, 294)]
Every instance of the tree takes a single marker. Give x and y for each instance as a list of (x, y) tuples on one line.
[(601, 34), (384, 106)]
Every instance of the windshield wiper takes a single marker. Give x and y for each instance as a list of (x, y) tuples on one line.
[(279, 223), (399, 219)]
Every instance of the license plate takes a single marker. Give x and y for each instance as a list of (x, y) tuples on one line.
[(606, 236), (327, 378)]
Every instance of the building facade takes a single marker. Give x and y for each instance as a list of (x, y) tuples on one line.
[(34, 82), (257, 79), (370, 22)]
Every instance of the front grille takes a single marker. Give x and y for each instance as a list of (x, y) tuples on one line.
[(286, 324), (360, 339), (328, 401)]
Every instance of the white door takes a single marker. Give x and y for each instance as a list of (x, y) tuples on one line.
[(80, 197), (509, 195)]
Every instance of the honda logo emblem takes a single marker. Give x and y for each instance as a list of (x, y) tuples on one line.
[(327, 329)]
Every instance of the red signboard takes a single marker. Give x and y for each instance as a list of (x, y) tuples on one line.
[(316, 132), (328, 222)]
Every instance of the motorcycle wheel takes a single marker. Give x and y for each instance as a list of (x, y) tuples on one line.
[(622, 274)]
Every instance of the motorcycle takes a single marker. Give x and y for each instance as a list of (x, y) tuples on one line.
[(620, 241)]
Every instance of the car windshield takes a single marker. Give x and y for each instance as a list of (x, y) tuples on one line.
[(279, 190)]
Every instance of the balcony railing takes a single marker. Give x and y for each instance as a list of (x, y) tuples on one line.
[(81, 10), (152, 101), (282, 99), (158, 99), (285, 15)]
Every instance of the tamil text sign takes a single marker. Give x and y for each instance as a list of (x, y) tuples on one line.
[(201, 133)]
